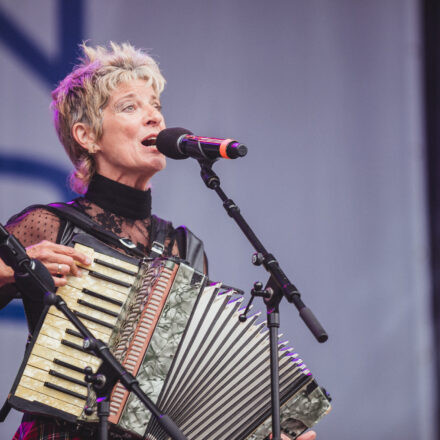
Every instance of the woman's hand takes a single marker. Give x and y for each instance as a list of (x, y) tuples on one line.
[(6, 274), (59, 260), (309, 435)]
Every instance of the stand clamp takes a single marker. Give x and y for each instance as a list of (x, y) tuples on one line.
[(256, 291)]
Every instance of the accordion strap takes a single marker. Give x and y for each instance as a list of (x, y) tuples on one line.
[(158, 235), (88, 225), (190, 245)]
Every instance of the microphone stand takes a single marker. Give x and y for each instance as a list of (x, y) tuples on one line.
[(277, 287), (32, 274)]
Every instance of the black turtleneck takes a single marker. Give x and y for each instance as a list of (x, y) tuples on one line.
[(118, 198)]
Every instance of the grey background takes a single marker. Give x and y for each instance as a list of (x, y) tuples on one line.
[(328, 97)]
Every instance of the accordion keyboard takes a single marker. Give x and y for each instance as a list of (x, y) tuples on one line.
[(54, 373)]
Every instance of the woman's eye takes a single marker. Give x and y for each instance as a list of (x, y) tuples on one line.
[(129, 108)]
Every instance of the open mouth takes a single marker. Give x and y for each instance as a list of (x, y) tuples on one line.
[(149, 142)]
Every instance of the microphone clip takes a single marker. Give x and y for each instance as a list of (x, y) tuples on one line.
[(212, 181)]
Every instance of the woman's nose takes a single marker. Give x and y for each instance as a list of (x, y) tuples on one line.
[(153, 116)]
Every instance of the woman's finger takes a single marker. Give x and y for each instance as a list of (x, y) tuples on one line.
[(309, 435), (46, 248), (51, 254), (57, 264), (60, 269), (64, 265), (73, 253), (59, 281)]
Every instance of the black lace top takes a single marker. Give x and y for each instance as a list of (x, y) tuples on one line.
[(118, 208)]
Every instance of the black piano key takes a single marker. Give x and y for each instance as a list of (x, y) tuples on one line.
[(68, 378), (67, 365), (91, 318), (69, 331), (73, 345), (112, 266), (101, 276), (64, 390), (103, 297), (98, 308)]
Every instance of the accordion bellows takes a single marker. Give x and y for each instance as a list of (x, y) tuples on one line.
[(180, 338)]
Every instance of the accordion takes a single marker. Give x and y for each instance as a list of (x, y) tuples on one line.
[(180, 337)]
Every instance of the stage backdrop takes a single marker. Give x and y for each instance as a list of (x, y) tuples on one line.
[(327, 96)]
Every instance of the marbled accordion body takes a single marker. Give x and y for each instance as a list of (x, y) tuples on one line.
[(181, 339)]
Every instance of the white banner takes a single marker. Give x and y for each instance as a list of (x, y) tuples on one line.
[(327, 97)]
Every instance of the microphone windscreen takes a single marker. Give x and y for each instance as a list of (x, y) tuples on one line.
[(167, 142)]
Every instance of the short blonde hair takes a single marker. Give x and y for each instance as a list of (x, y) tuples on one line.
[(81, 96)]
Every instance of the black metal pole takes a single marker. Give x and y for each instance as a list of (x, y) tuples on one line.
[(103, 413), (273, 323)]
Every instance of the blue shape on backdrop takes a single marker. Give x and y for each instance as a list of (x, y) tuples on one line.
[(70, 34), (36, 169), (13, 312), (50, 70)]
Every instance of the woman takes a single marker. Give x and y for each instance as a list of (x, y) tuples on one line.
[(107, 115)]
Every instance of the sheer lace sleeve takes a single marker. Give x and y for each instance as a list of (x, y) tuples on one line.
[(29, 228), (34, 226)]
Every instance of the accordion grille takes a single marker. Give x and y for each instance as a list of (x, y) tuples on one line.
[(138, 327)]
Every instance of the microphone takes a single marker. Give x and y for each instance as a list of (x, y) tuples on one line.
[(180, 143)]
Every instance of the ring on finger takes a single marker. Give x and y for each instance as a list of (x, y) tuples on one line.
[(59, 269)]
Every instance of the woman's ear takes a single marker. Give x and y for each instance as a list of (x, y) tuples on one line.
[(85, 137)]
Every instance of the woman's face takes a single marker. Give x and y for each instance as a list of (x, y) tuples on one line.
[(131, 122)]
